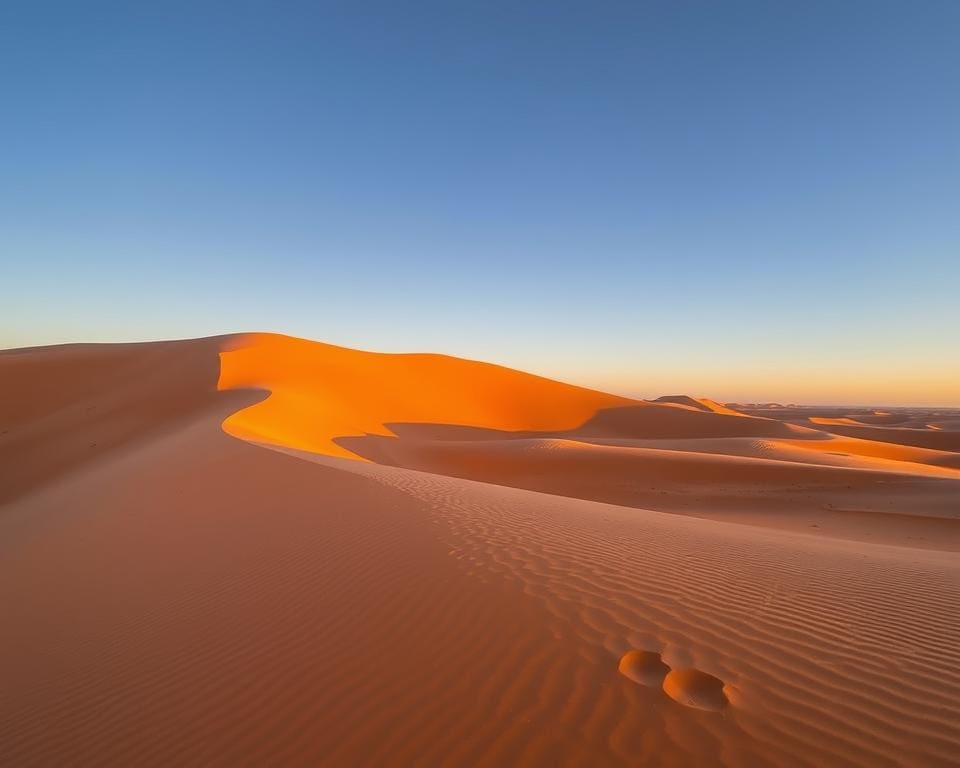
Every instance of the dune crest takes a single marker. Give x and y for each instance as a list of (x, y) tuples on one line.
[(699, 403), (319, 392)]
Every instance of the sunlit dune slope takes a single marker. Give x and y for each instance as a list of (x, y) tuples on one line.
[(319, 392), (700, 403), (825, 421)]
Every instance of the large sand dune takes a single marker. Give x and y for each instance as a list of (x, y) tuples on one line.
[(257, 550)]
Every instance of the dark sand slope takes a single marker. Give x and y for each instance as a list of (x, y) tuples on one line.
[(64, 406), (186, 598)]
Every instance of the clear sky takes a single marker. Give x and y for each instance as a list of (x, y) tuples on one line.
[(744, 200)]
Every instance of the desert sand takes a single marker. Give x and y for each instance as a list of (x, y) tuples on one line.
[(259, 550)]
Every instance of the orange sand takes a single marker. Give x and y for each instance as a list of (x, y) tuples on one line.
[(173, 595), (320, 392)]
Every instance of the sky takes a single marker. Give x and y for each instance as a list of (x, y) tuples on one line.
[(750, 201)]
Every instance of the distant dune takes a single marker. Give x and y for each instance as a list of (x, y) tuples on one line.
[(700, 403), (260, 550)]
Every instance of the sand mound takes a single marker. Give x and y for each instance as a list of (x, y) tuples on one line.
[(698, 403), (948, 425), (833, 422), (652, 421)]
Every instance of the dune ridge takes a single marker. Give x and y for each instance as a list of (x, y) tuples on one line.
[(354, 581), (319, 392), (699, 403)]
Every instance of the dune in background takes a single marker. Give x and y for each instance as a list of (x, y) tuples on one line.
[(259, 550)]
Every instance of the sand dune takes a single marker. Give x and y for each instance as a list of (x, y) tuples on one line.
[(834, 422), (354, 583), (320, 392), (699, 403), (63, 407), (918, 427), (894, 503), (935, 440)]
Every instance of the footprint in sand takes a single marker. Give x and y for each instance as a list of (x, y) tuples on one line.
[(688, 686), (644, 667), (696, 689)]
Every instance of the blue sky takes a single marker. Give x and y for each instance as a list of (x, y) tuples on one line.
[(746, 200)]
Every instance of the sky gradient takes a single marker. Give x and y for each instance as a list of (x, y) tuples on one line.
[(742, 200)]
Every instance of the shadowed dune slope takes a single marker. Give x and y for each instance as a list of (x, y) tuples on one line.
[(65, 406), (649, 420), (183, 597), (920, 438)]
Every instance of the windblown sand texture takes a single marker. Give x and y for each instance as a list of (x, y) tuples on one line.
[(258, 550)]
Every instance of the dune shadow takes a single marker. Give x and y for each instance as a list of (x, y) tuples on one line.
[(67, 405), (648, 421)]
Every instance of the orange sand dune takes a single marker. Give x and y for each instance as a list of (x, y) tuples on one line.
[(319, 392), (700, 403), (173, 595), (840, 421), (920, 438), (916, 427), (828, 449), (871, 419)]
